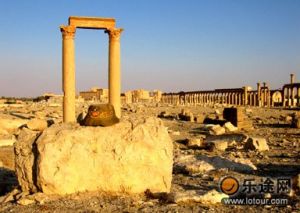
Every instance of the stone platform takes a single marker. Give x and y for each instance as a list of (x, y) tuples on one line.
[(129, 157)]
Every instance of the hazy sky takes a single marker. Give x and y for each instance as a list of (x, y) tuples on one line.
[(171, 45)]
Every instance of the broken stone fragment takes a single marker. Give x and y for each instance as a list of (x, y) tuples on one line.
[(296, 120), (288, 118), (25, 201), (217, 130), (195, 143), (186, 115), (229, 127), (218, 144), (37, 124), (7, 141), (11, 124), (200, 118), (256, 143), (211, 197)]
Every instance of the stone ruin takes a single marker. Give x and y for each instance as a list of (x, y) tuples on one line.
[(263, 96), (68, 158)]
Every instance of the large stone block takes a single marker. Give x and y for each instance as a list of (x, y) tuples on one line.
[(236, 115), (131, 157), (256, 143)]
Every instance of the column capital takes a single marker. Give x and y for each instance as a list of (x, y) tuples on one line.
[(114, 33), (68, 32)]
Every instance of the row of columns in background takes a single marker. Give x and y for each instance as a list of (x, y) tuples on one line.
[(242, 96)]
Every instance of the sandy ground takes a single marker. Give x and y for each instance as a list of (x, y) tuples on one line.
[(282, 160)]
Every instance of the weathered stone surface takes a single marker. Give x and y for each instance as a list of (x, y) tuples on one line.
[(119, 158), (37, 124), (25, 159), (211, 197), (229, 127), (256, 143)]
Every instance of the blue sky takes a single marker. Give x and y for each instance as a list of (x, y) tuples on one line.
[(167, 44)]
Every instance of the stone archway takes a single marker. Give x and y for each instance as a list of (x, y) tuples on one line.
[(68, 62)]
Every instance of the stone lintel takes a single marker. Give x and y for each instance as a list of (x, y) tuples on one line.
[(91, 22)]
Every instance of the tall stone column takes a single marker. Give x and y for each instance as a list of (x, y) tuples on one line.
[(292, 90), (114, 69), (68, 72), (265, 93), (288, 97), (298, 96), (292, 96), (258, 94), (245, 99)]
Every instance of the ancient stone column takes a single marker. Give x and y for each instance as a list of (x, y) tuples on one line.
[(265, 93), (245, 98), (114, 70), (298, 96), (68, 72), (292, 78), (258, 94), (250, 99), (288, 97), (292, 96)]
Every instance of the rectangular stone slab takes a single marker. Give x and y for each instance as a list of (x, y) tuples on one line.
[(91, 22)]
